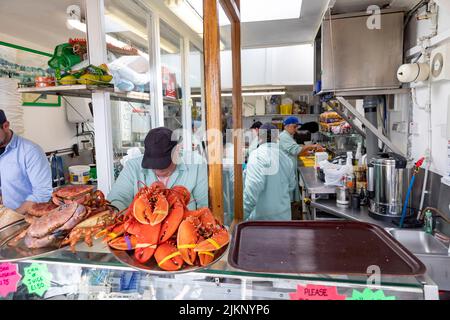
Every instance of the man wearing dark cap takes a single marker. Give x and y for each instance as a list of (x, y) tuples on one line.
[(293, 150), (255, 130), (25, 174), (268, 179), (162, 161)]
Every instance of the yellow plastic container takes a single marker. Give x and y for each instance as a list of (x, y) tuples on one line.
[(286, 109), (308, 161)]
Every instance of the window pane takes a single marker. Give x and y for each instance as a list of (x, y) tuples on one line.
[(171, 76), (128, 62)]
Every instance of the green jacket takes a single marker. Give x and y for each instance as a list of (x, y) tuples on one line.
[(192, 176), (268, 181), (291, 148)]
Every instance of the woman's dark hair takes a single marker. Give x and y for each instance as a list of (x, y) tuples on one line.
[(312, 127), (256, 125)]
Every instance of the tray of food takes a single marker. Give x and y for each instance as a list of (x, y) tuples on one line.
[(319, 247), (158, 234), (75, 213)]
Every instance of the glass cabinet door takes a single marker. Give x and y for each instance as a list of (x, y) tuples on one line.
[(171, 57), (128, 61)]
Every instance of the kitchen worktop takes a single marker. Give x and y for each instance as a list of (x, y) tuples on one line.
[(312, 183), (362, 215)]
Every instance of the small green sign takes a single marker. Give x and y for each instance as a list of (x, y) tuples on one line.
[(37, 278), (368, 294)]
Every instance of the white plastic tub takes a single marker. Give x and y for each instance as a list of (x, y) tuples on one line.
[(79, 174)]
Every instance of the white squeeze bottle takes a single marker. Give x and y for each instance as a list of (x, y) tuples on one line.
[(358, 154)]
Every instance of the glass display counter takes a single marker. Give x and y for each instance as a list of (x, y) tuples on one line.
[(98, 275)]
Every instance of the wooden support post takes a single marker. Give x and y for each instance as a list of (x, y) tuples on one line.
[(211, 48), (237, 121)]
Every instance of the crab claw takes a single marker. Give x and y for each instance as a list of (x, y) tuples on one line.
[(219, 239), (168, 257), (124, 243), (186, 241)]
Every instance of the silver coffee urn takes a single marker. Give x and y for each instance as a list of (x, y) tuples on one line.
[(387, 173)]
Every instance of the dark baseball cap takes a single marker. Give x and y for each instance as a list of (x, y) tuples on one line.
[(2, 117), (256, 125), (158, 149), (268, 126)]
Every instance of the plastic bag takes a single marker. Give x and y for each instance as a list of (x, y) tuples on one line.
[(131, 154), (130, 68), (333, 173)]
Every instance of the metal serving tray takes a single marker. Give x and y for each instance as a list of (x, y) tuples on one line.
[(319, 247), (127, 258), (20, 251)]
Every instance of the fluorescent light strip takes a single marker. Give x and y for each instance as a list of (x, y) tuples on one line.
[(187, 12), (165, 45)]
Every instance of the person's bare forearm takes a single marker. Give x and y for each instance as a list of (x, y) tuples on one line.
[(23, 209)]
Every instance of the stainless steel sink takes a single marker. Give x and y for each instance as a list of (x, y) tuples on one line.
[(433, 253), (419, 242)]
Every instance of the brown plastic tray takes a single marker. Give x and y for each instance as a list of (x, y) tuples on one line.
[(319, 247)]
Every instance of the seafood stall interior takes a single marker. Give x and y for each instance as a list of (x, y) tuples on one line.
[(120, 104)]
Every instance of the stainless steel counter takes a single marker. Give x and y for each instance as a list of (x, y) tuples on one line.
[(361, 214), (312, 183)]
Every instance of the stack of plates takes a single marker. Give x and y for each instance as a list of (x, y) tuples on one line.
[(11, 103)]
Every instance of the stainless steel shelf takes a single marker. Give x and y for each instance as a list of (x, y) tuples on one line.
[(85, 91), (363, 93), (347, 135), (282, 115)]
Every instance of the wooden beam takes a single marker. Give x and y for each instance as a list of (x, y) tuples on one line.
[(211, 54), (232, 9), (237, 121)]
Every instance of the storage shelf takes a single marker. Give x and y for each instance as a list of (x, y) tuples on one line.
[(347, 135), (363, 93), (85, 91), (282, 115)]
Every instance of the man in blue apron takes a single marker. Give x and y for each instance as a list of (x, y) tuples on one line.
[(25, 174)]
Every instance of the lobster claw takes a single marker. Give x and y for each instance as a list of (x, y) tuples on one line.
[(219, 239), (141, 210), (124, 243), (187, 238), (206, 257), (171, 223), (160, 211), (168, 257)]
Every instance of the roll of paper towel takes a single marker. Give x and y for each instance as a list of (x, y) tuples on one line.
[(413, 72)]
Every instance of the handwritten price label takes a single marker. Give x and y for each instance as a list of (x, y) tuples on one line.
[(37, 278), (314, 292), (9, 277), (368, 294)]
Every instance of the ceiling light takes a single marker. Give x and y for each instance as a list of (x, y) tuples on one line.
[(187, 13), (75, 23), (135, 28), (197, 5), (266, 10), (191, 13)]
